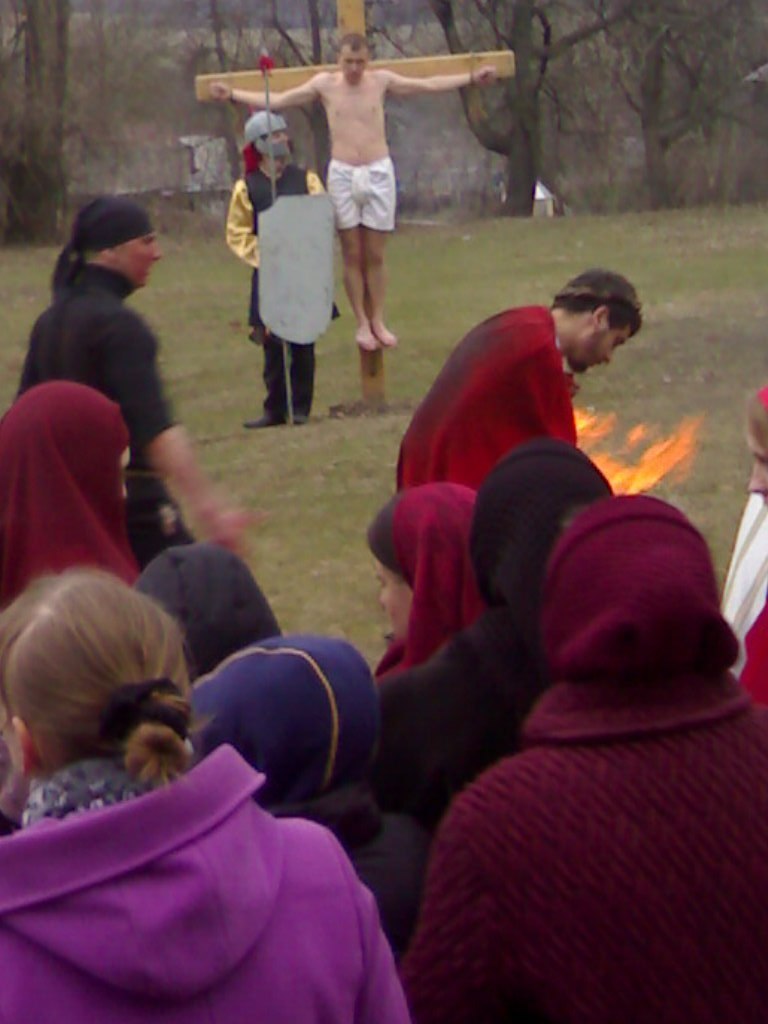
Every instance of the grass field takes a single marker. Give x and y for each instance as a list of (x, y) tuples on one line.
[(702, 276)]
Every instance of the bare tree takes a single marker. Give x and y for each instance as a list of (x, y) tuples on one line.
[(233, 48), (511, 125), (313, 53), (680, 64), (35, 183), (219, 32)]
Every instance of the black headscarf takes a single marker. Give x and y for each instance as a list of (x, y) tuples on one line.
[(103, 223), (215, 598), (520, 512), (381, 539)]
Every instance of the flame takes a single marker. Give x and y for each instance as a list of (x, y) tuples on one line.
[(672, 455)]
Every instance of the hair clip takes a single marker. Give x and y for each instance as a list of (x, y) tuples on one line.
[(134, 703)]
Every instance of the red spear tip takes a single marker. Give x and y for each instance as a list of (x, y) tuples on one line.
[(266, 63)]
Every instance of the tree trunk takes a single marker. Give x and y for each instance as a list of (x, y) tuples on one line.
[(317, 119), (660, 190), (524, 152), (227, 120), (516, 132), (318, 124), (521, 178), (36, 180)]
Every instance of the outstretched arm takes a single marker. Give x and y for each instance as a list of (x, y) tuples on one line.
[(172, 455), (400, 85), (277, 100)]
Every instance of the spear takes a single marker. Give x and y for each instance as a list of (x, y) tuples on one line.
[(266, 64)]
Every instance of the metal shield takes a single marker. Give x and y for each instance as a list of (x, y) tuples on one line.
[(296, 267)]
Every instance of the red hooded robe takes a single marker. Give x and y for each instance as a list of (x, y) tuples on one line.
[(503, 384)]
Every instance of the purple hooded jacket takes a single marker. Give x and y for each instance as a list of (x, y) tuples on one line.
[(189, 905)]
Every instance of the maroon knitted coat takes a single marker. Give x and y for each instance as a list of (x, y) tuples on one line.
[(616, 872)]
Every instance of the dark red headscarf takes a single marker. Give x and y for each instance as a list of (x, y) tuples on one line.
[(251, 159), (61, 486), (630, 598), (423, 535)]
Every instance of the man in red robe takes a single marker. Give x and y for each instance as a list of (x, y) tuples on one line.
[(511, 380)]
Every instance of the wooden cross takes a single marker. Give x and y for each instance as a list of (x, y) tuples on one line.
[(350, 17)]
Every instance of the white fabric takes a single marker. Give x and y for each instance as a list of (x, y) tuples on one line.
[(745, 586), (363, 194)]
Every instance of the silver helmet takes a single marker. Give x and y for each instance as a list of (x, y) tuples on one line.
[(260, 126)]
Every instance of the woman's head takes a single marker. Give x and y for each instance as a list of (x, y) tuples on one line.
[(77, 654), (214, 596), (631, 596), (420, 540), (302, 709), (757, 441), (62, 497), (522, 506)]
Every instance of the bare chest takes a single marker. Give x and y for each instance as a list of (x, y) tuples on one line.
[(363, 104)]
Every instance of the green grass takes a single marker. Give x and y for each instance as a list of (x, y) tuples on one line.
[(702, 276)]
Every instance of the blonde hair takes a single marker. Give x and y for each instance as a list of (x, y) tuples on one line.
[(757, 421), (67, 645)]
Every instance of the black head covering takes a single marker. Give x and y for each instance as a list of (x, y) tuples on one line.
[(103, 223), (522, 506), (381, 536), (215, 598)]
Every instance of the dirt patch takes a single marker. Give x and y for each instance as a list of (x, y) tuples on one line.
[(352, 410)]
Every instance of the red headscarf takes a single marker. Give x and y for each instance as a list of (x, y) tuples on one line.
[(251, 159), (429, 538), (754, 675), (61, 488)]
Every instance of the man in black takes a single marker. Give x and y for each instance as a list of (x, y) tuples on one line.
[(267, 158), (88, 335)]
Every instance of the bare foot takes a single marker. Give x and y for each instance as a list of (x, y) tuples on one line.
[(385, 336), (365, 338)]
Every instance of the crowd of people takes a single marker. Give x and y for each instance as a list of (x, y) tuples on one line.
[(546, 804)]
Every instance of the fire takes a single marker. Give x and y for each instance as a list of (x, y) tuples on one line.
[(667, 455)]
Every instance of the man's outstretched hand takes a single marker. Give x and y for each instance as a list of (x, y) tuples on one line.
[(220, 91), (485, 75)]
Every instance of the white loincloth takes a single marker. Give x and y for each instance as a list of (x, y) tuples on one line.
[(363, 194)]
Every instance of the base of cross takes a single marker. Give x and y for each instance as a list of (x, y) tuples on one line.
[(372, 377)]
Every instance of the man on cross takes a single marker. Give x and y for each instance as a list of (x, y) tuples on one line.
[(361, 179)]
